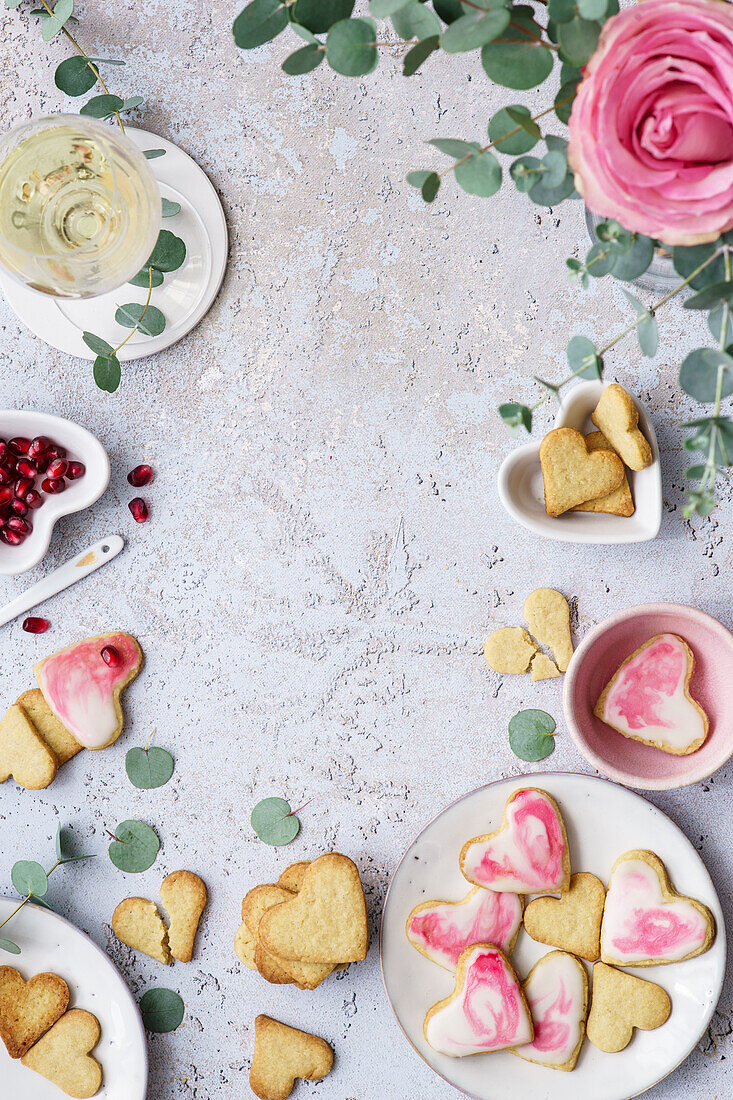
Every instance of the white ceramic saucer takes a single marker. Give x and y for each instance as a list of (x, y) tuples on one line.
[(185, 296), (521, 488), (49, 942), (80, 444), (603, 820)]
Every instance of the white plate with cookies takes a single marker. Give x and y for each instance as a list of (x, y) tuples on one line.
[(522, 489), (603, 821), (96, 990)]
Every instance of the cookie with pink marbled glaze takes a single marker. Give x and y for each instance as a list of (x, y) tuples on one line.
[(645, 921), (648, 698), (83, 690), (556, 989), (442, 930), (486, 1011), (527, 854)]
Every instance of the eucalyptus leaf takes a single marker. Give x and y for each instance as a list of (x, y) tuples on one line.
[(135, 847), (564, 99), (419, 53), (449, 10), (28, 877), (169, 209), (710, 296), (416, 20), (8, 945), (647, 332), (427, 183), (530, 734), (611, 233), (526, 172), (97, 344), (107, 372), (522, 117), (304, 60), (153, 154), (694, 473), (479, 175), (592, 9), (102, 106), (454, 147), (75, 76), (701, 372), (143, 278), (259, 22), (635, 262), (474, 30), (380, 9), (318, 16), (688, 258), (599, 261), (162, 1010), (64, 852), (169, 252), (351, 48), (562, 11), (517, 61), (274, 822), (578, 39), (583, 359), (62, 12), (150, 321), (516, 415), (148, 768), (505, 122), (551, 196), (556, 169)]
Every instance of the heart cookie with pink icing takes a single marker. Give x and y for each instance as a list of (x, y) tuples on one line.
[(527, 854), (645, 921), (442, 930), (82, 684), (486, 1011), (648, 697), (556, 989)]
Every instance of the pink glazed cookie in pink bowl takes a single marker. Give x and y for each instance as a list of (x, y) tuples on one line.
[(600, 655)]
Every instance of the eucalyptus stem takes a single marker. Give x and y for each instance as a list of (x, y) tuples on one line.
[(28, 898), (145, 308), (711, 466)]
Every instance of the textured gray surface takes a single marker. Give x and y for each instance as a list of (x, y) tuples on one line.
[(345, 381)]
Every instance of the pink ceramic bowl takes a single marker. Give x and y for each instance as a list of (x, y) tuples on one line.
[(594, 663)]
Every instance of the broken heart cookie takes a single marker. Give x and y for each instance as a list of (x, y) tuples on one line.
[(572, 474), (543, 667), (509, 650), (618, 418), (620, 1003), (184, 896), (486, 1011), (618, 503), (441, 930), (82, 684), (23, 753), (48, 726), (62, 1055), (571, 922), (527, 854), (556, 990), (326, 921), (548, 617), (645, 921), (283, 1054), (648, 699), (137, 923), (28, 1009)]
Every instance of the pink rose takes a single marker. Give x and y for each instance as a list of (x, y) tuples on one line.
[(651, 130)]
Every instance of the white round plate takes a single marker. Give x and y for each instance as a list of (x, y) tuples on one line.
[(184, 297), (602, 820), (50, 942)]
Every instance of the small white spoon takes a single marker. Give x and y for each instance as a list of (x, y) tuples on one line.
[(80, 566)]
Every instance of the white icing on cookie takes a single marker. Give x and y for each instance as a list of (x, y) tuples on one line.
[(441, 930), (556, 991)]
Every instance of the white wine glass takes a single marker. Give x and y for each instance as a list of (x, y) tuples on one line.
[(80, 209)]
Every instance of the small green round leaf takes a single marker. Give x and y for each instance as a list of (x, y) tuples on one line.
[(107, 372), (274, 822), (526, 172), (419, 53), (474, 30), (150, 321), (479, 175), (381, 9), (148, 768), (416, 20), (600, 260), (350, 47), (259, 22), (556, 168), (711, 296), (102, 106), (699, 374), (170, 209), (8, 945), (578, 39), (97, 344), (454, 147), (318, 16), (530, 734), (153, 154), (449, 10), (143, 278), (28, 877), (517, 61), (634, 263), (304, 60), (169, 252), (564, 100), (135, 847), (502, 123), (687, 259), (583, 358), (516, 416), (75, 76), (162, 1010)]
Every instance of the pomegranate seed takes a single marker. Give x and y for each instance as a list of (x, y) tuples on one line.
[(19, 445), (139, 509), (39, 446), (75, 470), (42, 463), (54, 451), (12, 538), (53, 485), (10, 461), (5, 451), (34, 625), (6, 495), (141, 475), (33, 499), (21, 487), (26, 468), (19, 507), (111, 656), (17, 523), (6, 476), (56, 469)]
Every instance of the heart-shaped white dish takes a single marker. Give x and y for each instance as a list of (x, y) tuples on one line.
[(80, 444), (521, 489)]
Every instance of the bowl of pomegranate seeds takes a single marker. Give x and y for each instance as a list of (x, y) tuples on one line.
[(49, 467)]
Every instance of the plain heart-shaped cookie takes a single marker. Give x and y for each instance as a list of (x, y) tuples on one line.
[(573, 475), (281, 1055), (486, 1011), (137, 922), (83, 690), (620, 1003), (618, 418), (184, 896), (527, 854), (62, 1055), (23, 753), (273, 968), (556, 989), (27, 1009), (648, 697), (571, 922), (442, 930), (646, 922), (326, 922)]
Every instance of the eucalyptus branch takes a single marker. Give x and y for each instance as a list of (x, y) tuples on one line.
[(145, 310), (29, 895)]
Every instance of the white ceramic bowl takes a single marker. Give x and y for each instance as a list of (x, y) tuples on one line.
[(81, 445), (521, 488)]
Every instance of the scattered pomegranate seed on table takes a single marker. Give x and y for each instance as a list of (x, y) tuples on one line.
[(110, 656), (35, 625), (141, 475), (139, 509)]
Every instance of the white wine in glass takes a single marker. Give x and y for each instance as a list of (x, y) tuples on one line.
[(80, 209)]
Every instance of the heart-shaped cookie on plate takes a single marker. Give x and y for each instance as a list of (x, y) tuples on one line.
[(28, 1009), (571, 922), (442, 930), (62, 1055), (620, 1003), (574, 475)]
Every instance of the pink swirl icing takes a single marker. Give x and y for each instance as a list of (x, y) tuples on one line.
[(640, 925), (529, 851), (656, 932), (556, 990), (551, 1033), (446, 929), (495, 1027), (643, 684)]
